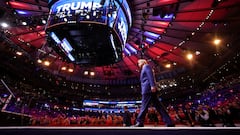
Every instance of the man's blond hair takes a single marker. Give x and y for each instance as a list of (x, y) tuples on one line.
[(142, 61)]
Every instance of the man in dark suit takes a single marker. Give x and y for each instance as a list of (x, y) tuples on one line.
[(149, 93), (126, 117)]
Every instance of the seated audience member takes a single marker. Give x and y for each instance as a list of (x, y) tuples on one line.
[(202, 116)]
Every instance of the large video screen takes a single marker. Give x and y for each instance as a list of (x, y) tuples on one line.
[(93, 11), (74, 11), (87, 17), (121, 26)]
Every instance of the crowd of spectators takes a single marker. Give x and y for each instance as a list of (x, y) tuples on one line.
[(219, 103)]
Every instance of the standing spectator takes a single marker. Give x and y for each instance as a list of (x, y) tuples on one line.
[(126, 117)]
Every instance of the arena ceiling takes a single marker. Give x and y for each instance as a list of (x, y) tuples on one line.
[(164, 32)]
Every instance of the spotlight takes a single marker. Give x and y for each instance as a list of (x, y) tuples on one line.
[(189, 56), (44, 21), (70, 70), (19, 53), (168, 66), (39, 61), (92, 73), (64, 68), (24, 23), (85, 72), (217, 41), (4, 25), (46, 63)]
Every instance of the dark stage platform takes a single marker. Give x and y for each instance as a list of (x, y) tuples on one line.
[(119, 131)]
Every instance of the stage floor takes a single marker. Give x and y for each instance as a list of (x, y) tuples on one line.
[(120, 130)]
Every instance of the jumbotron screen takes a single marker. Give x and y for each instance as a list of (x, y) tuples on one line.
[(90, 32)]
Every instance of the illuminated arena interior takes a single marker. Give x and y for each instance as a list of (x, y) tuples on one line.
[(79, 56)]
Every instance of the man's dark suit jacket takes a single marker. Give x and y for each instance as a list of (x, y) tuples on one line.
[(147, 79)]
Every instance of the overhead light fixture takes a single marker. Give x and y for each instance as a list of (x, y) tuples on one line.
[(70, 70), (217, 41), (44, 21), (4, 25), (39, 61), (46, 63), (168, 66), (24, 23), (63, 68), (189, 56), (85, 72), (197, 52), (92, 73), (19, 53)]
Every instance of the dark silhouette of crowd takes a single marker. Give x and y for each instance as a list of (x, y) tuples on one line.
[(217, 105)]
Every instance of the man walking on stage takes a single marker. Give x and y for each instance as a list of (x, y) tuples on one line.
[(149, 93)]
